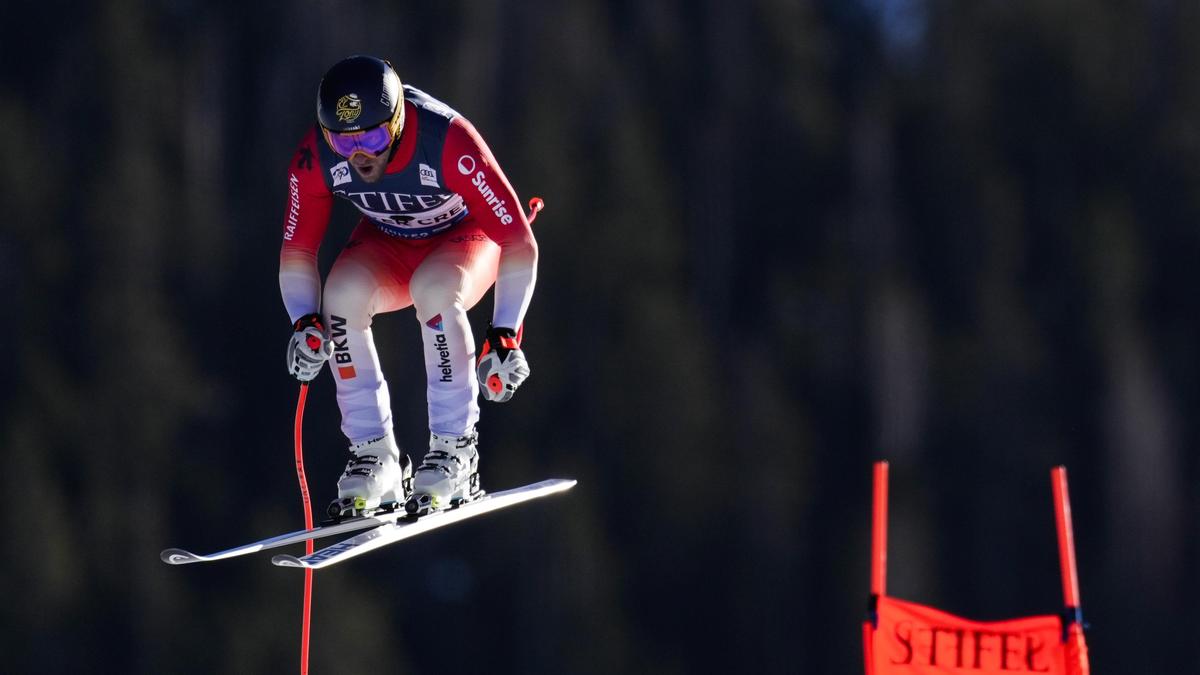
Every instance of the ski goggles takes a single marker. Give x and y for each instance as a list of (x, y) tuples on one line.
[(370, 142)]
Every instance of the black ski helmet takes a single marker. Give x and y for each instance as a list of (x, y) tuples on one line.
[(358, 93)]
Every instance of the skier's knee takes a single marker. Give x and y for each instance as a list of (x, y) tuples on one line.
[(433, 293), (348, 294)]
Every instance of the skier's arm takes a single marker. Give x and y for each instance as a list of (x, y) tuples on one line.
[(472, 171), (305, 219)]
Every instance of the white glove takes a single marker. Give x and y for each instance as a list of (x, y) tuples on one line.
[(502, 366), (309, 347)]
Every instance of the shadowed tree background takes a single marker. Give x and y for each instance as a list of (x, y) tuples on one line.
[(784, 238)]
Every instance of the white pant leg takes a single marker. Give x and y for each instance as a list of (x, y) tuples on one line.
[(446, 284), (351, 293), (450, 374)]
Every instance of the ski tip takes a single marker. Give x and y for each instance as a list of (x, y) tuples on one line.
[(285, 560), (178, 556)]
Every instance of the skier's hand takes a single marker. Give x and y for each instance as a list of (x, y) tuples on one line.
[(309, 347), (502, 365)]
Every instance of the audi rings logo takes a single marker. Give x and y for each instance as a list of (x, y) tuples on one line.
[(466, 165)]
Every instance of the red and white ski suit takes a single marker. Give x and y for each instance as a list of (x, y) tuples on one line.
[(440, 227)]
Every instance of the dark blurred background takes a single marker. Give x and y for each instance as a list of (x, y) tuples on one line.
[(783, 239)]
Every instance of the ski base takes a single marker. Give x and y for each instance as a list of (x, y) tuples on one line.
[(179, 556), (400, 529)]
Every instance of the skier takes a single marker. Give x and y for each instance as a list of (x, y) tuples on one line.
[(440, 225)]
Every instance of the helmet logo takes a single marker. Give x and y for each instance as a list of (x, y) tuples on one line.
[(348, 108)]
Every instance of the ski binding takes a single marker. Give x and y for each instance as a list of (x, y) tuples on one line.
[(398, 529)]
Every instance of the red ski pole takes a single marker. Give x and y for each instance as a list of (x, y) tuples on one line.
[(308, 524), (535, 205)]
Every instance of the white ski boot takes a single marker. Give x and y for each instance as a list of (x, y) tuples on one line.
[(448, 476), (377, 478)]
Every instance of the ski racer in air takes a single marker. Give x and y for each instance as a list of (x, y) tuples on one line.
[(440, 226)]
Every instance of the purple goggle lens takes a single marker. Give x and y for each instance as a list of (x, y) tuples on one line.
[(370, 142)]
